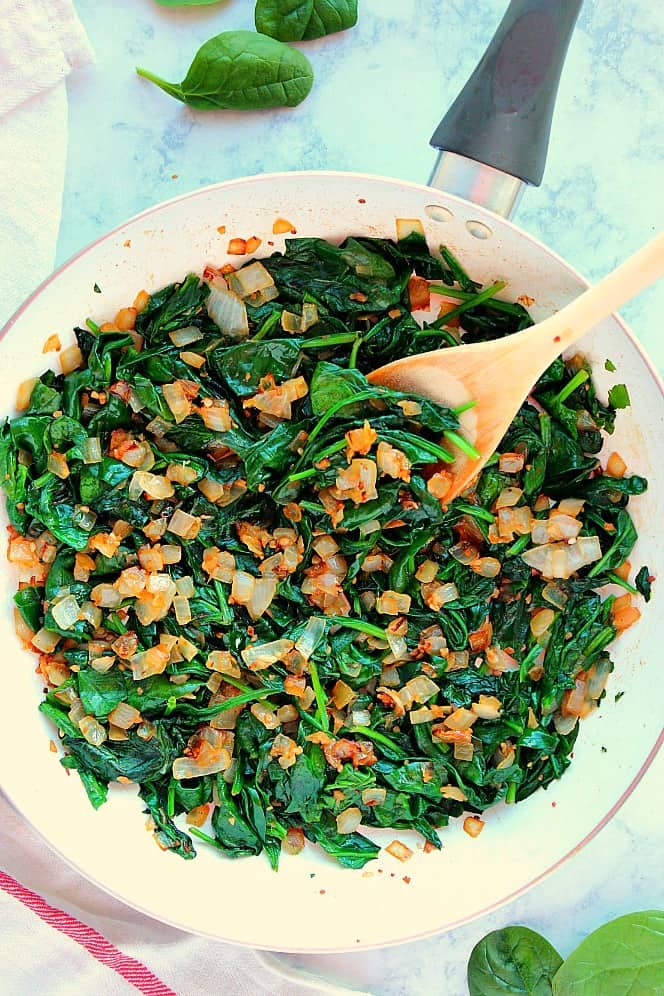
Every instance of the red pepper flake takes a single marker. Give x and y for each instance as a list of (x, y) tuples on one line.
[(322, 892), (406, 879), (361, 200), (127, 243), (51, 746), (221, 229), (358, 296)]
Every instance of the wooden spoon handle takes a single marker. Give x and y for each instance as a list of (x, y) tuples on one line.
[(605, 297)]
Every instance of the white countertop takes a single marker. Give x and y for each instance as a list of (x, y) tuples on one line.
[(380, 90)]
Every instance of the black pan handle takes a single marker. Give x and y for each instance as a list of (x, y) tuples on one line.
[(502, 117)]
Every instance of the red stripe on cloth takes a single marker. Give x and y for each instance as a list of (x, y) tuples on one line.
[(94, 943)]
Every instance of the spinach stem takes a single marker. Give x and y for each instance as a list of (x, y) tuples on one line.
[(473, 302), (360, 625), (222, 602), (460, 409), (622, 582), (517, 546), (352, 359), (321, 701), (495, 305), (577, 380), (92, 325), (379, 738), (323, 455), (267, 326), (170, 801), (462, 444), (321, 341)]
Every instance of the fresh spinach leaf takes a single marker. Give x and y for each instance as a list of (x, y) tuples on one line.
[(300, 20), (241, 71), (513, 960)]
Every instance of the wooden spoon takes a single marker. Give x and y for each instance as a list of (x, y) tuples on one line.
[(498, 375)]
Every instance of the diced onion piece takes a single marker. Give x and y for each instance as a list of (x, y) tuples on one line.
[(181, 474), (473, 826), (399, 850), (21, 628), (398, 647), (499, 660), (187, 648), (228, 312), (391, 461), (453, 792), (460, 719), (423, 715), (418, 689), (393, 603), (216, 416), (408, 226), (310, 637), (281, 226), (260, 655), (264, 715), (437, 594), (541, 621), (106, 596), (293, 842), (457, 660), (92, 731), (223, 662), (597, 678), (185, 336), (439, 484), (71, 358), (152, 661), (427, 571), (65, 612), (220, 565), (360, 717), (309, 315), (182, 610), (510, 463), (372, 526), (57, 464), (508, 497), (564, 724), (574, 699), (349, 820), (625, 617), (102, 664), (342, 694), (486, 567), (263, 592), (194, 360), (615, 466), (283, 748), (45, 640), (184, 525), (290, 321), (561, 560), (153, 485), (24, 393), (554, 595), (92, 450), (571, 506), (124, 716), (177, 400), (250, 279), (358, 481), (171, 554), (488, 707), (287, 714), (208, 761)]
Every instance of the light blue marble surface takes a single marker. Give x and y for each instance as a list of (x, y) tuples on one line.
[(379, 92)]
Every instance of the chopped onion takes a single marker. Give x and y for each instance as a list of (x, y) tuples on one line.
[(597, 678), (181, 474), (265, 715), (310, 637), (488, 707), (171, 554), (393, 603), (177, 400), (185, 336), (154, 486), (45, 640), (437, 594), (564, 724), (264, 590), (427, 571), (571, 506), (342, 694), (260, 655), (349, 820), (508, 497), (65, 612), (486, 567), (208, 761), (360, 717), (92, 731), (57, 464), (399, 850), (561, 560), (464, 552), (250, 279), (460, 719), (124, 716), (106, 596), (541, 621), (398, 647), (71, 358), (473, 826), (228, 312), (21, 628), (92, 450), (615, 466), (182, 610), (293, 842), (554, 595), (216, 416), (184, 525), (408, 226), (372, 526), (152, 661), (24, 393), (457, 660), (510, 463)]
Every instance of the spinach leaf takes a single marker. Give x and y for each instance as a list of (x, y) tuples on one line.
[(351, 850), (241, 71), (96, 788), (242, 367), (512, 960), (136, 759), (100, 692), (623, 956), (300, 20), (233, 831), (300, 789), (167, 834)]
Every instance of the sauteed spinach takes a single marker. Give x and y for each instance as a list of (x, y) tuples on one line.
[(247, 589)]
